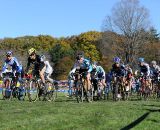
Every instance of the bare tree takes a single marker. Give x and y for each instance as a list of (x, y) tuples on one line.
[(129, 20)]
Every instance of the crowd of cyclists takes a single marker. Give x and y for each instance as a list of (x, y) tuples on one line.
[(121, 81)]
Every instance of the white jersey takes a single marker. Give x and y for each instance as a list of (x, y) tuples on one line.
[(49, 69)]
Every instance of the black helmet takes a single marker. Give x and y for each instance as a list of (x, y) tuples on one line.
[(79, 56)]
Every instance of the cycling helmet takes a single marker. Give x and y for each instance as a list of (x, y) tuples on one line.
[(9, 53), (43, 57), (78, 57), (141, 59), (116, 59), (153, 62), (31, 51)]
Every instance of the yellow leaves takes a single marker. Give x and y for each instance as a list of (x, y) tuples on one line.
[(91, 36)]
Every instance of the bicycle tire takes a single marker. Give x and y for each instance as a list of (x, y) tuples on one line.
[(33, 91)]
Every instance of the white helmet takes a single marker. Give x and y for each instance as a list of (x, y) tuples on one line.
[(153, 62), (43, 58)]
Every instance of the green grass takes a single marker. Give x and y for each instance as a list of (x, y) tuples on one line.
[(68, 115)]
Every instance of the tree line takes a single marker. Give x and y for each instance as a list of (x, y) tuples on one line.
[(126, 33), (61, 51)]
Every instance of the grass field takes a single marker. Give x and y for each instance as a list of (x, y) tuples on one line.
[(66, 114)]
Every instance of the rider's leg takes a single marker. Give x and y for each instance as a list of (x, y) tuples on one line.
[(88, 81), (104, 83), (48, 78), (41, 73)]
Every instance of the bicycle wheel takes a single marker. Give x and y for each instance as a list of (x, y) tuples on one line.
[(79, 93), (21, 93), (33, 91), (50, 95), (14, 93), (89, 95), (7, 92), (115, 92)]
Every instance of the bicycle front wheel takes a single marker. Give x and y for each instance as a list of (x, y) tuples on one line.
[(33, 91)]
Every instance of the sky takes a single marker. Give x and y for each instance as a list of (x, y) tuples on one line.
[(60, 18)]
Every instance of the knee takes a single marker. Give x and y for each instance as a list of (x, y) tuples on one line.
[(41, 73)]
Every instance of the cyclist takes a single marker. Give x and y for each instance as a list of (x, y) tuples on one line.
[(155, 69), (48, 70), (117, 68), (129, 76), (16, 68), (39, 65), (99, 72), (155, 72), (84, 65), (71, 80), (145, 74), (144, 67)]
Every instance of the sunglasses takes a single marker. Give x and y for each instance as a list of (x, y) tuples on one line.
[(8, 55), (31, 54)]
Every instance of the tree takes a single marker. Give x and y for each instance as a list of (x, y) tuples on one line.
[(153, 35), (130, 20), (86, 42), (151, 50)]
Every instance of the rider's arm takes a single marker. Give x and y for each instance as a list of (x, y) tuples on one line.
[(102, 70), (18, 66), (148, 69), (158, 68), (70, 75), (16, 61), (4, 67)]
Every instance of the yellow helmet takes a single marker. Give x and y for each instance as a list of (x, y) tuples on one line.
[(32, 50)]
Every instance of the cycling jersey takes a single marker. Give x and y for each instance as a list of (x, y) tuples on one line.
[(14, 65), (38, 63), (155, 70), (49, 69), (118, 70), (99, 71), (145, 69), (85, 65)]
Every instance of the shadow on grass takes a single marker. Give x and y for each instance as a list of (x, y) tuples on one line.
[(152, 105), (136, 122), (140, 119)]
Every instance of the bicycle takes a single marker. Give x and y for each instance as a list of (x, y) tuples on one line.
[(13, 89), (156, 86), (144, 90), (36, 91), (99, 89), (81, 85), (118, 87)]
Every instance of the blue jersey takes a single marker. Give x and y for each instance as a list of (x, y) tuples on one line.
[(84, 65), (13, 63), (99, 71), (145, 69), (118, 71)]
